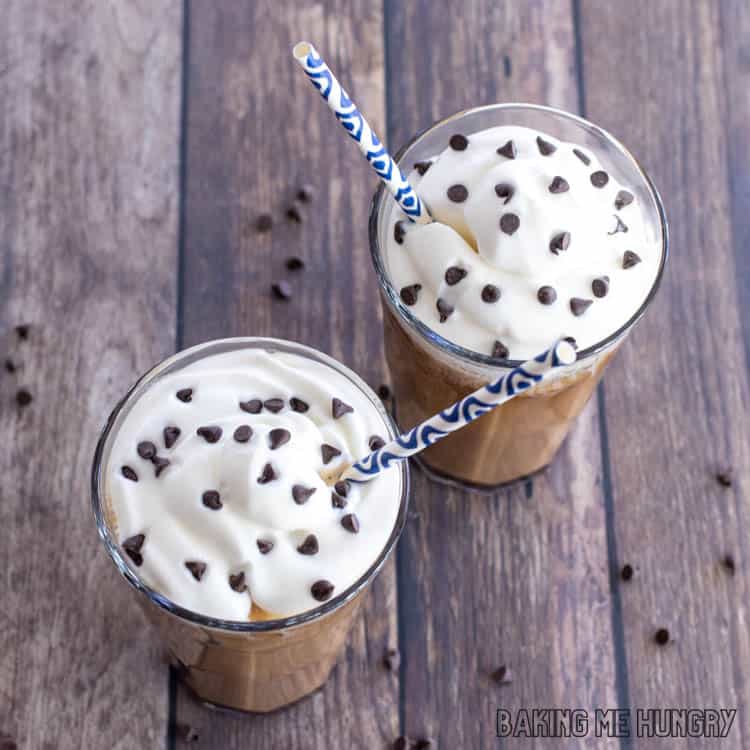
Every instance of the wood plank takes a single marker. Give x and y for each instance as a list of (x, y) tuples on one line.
[(255, 131), (520, 577), (88, 221), (677, 406)]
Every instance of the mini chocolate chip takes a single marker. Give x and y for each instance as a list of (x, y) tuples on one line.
[(196, 568), (305, 193), (293, 213), (146, 449), (600, 286), (401, 743), (410, 294), (339, 408), (294, 264), (599, 178), (321, 590), (504, 191), (264, 223), (508, 150), (509, 223), (422, 167), (274, 405), (298, 405), (132, 546), (545, 147), (620, 226), (351, 523), (559, 243), (237, 582), (376, 442), (210, 433), (278, 437), (457, 193), (392, 660), (10, 365), (499, 350), (342, 487), (490, 294), (630, 259), (328, 452), (185, 395), (211, 499), (282, 290), (171, 434), (579, 306), (502, 675), (585, 159), (264, 546), (444, 309), (384, 392), (662, 636), (728, 564), (129, 473), (627, 572), (187, 733), (571, 341), (454, 274), (559, 185), (424, 743), (159, 465), (22, 331), (23, 397), (243, 433), (337, 501), (459, 142), (267, 475), (546, 295), (302, 494), (309, 546), (623, 198), (399, 232), (725, 476), (252, 407)]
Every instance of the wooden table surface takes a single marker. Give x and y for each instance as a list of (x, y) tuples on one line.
[(140, 139)]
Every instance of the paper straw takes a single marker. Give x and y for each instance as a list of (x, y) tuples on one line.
[(355, 124), (463, 412)]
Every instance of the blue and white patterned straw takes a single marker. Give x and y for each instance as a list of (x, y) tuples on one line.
[(355, 124), (473, 406)]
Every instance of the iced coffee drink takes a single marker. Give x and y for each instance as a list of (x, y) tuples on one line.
[(544, 228), (215, 492)]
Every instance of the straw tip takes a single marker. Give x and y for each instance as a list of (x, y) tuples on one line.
[(565, 352), (302, 49)]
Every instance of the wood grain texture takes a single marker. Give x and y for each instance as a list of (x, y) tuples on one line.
[(257, 130), (521, 577), (88, 224), (677, 406)]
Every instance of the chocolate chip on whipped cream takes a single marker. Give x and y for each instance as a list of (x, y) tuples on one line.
[(185, 395), (170, 434), (302, 494), (210, 433), (243, 433)]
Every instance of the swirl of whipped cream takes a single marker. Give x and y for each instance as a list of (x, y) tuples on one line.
[(533, 240), (214, 480)]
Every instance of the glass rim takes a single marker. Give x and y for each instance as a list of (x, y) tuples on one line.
[(196, 618), (431, 336)]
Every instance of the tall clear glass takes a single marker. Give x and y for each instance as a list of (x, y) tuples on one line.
[(429, 372), (244, 665)]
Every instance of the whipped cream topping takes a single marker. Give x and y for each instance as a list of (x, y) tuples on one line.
[(215, 483), (533, 240)]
